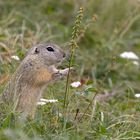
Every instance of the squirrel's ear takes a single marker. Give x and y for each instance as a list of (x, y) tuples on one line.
[(36, 50)]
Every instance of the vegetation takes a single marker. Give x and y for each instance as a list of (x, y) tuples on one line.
[(104, 107)]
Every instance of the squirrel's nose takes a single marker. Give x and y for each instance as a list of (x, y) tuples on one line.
[(64, 55)]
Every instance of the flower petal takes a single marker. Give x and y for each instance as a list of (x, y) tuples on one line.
[(76, 84), (48, 100), (15, 57), (129, 55), (41, 103), (137, 95)]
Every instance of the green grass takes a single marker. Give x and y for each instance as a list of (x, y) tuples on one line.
[(96, 60)]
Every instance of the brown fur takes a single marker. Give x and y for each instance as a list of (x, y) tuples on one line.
[(37, 69)]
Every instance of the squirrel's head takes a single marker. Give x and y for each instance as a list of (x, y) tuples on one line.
[(49, 54)]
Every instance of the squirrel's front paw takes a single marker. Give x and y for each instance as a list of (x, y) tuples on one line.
[(57, 75), (61, 73), (66, 71)]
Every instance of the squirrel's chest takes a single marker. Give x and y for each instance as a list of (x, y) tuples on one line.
[(43, 76)]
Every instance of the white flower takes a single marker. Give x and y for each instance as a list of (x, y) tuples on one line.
[(15, 57), (75, 84), (48, 100), (136, 63), (129, 55), (60, 114), (137, 95), (45, 101), (41, 103)]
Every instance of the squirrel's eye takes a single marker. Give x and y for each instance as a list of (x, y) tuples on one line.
[(50, 49)]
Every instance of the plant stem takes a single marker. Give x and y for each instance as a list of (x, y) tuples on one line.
[(67, 87), (73, 45)]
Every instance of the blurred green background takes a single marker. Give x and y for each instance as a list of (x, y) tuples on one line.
[(108, 28)]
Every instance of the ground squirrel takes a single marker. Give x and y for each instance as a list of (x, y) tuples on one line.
[(36, 70)]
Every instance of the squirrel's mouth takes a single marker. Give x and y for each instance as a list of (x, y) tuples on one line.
[(58, 61)]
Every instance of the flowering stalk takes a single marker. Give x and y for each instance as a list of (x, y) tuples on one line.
[(73, 45)]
